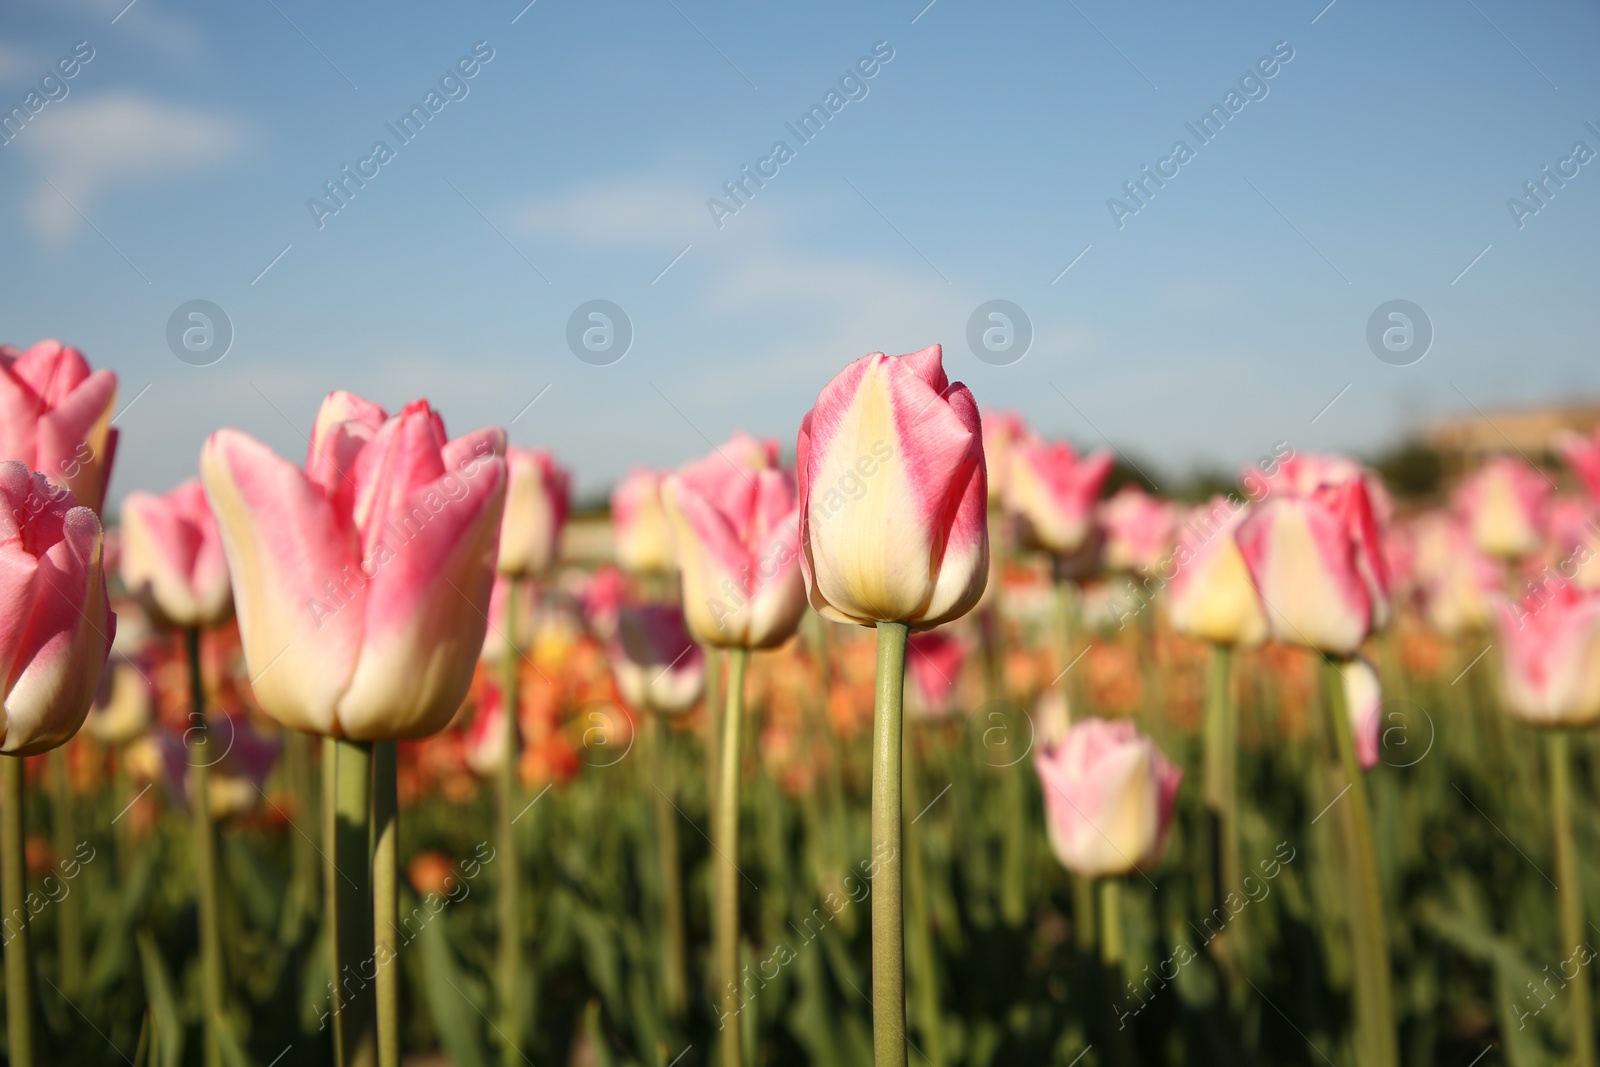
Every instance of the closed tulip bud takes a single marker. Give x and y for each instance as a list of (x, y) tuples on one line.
[(172, 557), (657, 665), (736, 532), (1109, 795), (1550, 656), (1210, 595), (362, 582), (1317, 563), (124, 706), (1302, 473), (1002, 431), (639, 523), (1503, 504), (1139, 529), (55, 418), (55, 622), (893, 497), (1363, 701), (933, 666), (1052, 491), (498, 641), (485, 740), (1456, 581), (538, 496)]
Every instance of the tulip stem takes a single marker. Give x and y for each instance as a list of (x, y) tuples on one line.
[(69, 925), (1222, 788), (1569, 896), (1372, 981), (349, 818), (386, 899), (888, 925), (725, 832), (509, 960), (920, 948), (13, 896), (673, 983), (1111, 930), (201, 756)]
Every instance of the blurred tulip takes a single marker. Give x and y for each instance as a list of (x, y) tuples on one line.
[(1303, 473), (1139, 530), (497, 635), (893, 498), (1582, 454), (538, 496), (1573, 524), (601, 600), (736, 530), (1210, 595), (1053, 490), (1457, 582), (124, 706), (933, 666), (362, 583), (1109, 795), (55, 621), (639, 522), (1317, 563), (1503, 503), (657, 665), (55, 417), (1363, 701), (172, 557), (1002, 430), (1550, 656), (485, 748)]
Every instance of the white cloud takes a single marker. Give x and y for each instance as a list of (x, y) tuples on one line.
[(626, 212), (90, 146)]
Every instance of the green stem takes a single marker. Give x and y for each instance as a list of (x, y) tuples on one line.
[(13, 896), (673, 982), (919, 948), (386, 899), (303, 887), (725, 834), (1569, 896), (714, 698), (1373, 981), (1222, 788), (1083, 914), (1111, 951), (69, 925), (355, 1019), (888, 925), (201, 756), (508, 964)]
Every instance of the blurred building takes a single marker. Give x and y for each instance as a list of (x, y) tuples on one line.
[(1464, 440)]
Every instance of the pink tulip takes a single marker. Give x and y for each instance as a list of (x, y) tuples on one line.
[(1573, 524), (1302, 473), (1583, 456), (600, 601), (1456, 581), (1503, 503), (55, 417), (1317, 563), (893, 497), (362, 582), (639, 522), (172, 557), (538, 496), (55, 622), (657, 665), (933, 666), (1363, 699), (736, 531), (1550, 656), (485, 741), (124, 705), (497, 638), (1139, 530), (1210, 595), (1109, 795), (1002, 430), (1053, 491)]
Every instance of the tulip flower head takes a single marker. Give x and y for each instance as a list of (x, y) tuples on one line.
[(172, 558), (639, 523), (1457, 582), (1109, 795), (1503, 504), (1573, 524), (1210, 595), (736, 531), (538, 497), (892, 494), (362, 582), (56, 625), (657, 665), (1550, 656), (1052, 491), (1139, 529), (1363, 699), (55, 418), (124, 706), (1002, 430), (485, 737)]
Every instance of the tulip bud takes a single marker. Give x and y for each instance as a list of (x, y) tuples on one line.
[(1109, 795), (1052, 491), (55, 418), (172, 557), (893, 497), (123, 707), (1363, 700), (538, 496), (1139, 530), (1210, 595), (362, 583), (657, 665), (639, 523), (1002, 431), (55, 622), (1550, 656), (1503, 503)]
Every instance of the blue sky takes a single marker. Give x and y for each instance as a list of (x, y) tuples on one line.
[(1224, 316)]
